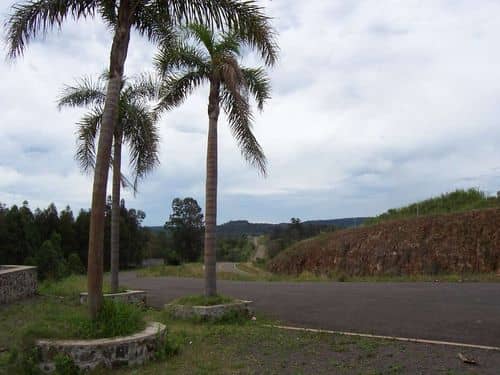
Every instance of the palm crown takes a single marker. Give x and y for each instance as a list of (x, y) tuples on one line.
[(136, 122), (151, 18), (203, 57)]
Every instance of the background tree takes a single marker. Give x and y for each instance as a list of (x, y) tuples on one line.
[(151, 18), (23, 235), (206, 57), (67, 232), (136, 127), (186, 227)]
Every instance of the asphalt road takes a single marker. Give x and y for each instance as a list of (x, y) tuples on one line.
[(460, 312)]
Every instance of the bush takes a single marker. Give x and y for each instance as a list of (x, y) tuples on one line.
[(170, 346), (115, 319), (65, 365), (27, 362), (50, 261), (75, 265)]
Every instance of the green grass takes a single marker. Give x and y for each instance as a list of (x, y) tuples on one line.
[(46, 317), (249, 347), (201, 300), (457, 201), (253, 270), (254, 273), (115, 319), (71, 286), (194, 270)]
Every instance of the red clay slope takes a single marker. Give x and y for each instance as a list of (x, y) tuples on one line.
[(453, 243)]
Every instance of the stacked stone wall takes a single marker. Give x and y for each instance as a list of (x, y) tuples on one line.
[(17, 282)]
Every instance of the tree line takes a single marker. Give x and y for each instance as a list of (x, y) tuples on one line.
[(57, 241)]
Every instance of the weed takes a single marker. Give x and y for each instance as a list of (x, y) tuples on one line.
[(115, 319), (201, 300), (65, 365)]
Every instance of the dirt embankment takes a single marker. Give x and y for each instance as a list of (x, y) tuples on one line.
[(454, 243)]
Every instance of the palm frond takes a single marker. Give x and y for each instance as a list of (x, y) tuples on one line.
[(153, 20), (108, 12), (141, 135), (29, 18), (240, 121), (262, 37), (86, 92), (258, 84), (247, 17), (144, 87), (229, 44), (201, 34), (176, 88), (86, 135), (181, 56)]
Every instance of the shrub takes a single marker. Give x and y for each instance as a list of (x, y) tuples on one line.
[(50, 261), (75, 265), (65, 365), (28, 362), (170, 346), (115, 319)]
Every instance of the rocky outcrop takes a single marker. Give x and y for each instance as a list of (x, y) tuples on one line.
[(455, 243)]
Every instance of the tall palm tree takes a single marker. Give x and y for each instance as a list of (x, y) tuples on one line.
[(151, 18), (135, 126), (207, 57)]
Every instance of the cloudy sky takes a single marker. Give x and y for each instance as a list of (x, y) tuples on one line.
[(376, 104)]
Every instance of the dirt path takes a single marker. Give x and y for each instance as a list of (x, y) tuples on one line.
[(260, 250), (230, 267), (468, 312)]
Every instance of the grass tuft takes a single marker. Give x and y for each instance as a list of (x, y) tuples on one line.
[(71, 286), (115, 319), (201, 300)]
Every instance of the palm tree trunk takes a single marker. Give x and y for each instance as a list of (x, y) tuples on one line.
[(115, 212), (211, 192), (118, 56)]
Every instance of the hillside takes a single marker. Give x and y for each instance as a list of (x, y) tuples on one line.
[(452, 243), (240, 227), (456, 201)]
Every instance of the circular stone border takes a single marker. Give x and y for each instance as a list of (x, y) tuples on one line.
[(110, 352), (129, 296), (209, 312)]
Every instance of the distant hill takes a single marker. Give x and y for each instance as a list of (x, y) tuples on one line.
[(240, 227)]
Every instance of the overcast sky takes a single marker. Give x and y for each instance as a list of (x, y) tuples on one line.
[(375, 104)]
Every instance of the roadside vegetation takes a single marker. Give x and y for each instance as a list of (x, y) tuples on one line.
[(254, 272), (456, 201), (70, 286), (58, 314), (223, 347)]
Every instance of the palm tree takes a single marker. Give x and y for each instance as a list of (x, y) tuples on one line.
[(207, 57), (135, 126), (153, 19)]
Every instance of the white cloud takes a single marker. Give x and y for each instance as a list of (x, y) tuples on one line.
[(376, 104)]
